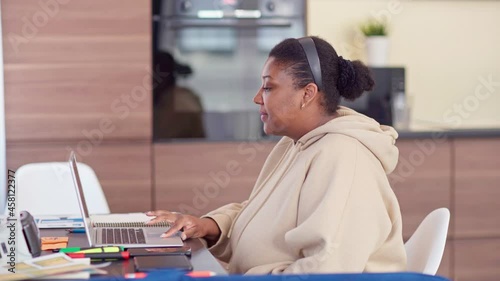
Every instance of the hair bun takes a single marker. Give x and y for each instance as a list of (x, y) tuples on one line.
[(354, 79), (347, 74)]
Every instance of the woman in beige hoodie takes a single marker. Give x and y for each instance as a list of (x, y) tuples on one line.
[(322, 202)]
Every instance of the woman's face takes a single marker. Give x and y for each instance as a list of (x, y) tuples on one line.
[(279, 100)]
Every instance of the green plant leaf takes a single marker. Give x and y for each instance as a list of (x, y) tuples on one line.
[(374, 28)]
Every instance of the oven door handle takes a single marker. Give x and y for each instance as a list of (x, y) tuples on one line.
[(232, 23)]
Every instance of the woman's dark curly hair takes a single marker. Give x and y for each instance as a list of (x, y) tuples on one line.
[(340, 77)]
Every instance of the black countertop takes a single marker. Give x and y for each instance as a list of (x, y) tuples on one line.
[(403, 134), (459, 133)]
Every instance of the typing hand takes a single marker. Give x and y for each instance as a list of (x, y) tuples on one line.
[(190, 226)]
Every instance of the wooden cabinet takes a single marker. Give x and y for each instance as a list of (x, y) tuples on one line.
[(124, 170), (477, 222), (77, 75), (199, 177), (421, 180), (77, 70), (461, 174), (422, 183), (477, 259), (71, 105), (477, 188)]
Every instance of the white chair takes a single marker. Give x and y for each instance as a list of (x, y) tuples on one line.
[(425, 247), (48, 189)]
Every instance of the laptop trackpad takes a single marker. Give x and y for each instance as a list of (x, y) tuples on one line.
[(156, 233)]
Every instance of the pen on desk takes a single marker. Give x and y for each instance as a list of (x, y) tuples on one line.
[(120, 255), (76, 230)]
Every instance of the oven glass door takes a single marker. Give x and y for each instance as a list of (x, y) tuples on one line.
[(217, 71)]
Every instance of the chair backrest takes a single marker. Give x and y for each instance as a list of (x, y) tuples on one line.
[(425, 247), (48, 189)]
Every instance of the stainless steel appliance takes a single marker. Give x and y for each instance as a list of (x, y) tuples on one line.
[(380, 102), (222, 46)]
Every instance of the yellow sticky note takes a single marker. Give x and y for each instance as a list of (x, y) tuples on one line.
[(52, 240), (53, 246), (50, 243)]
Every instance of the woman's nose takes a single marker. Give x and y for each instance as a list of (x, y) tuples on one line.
[(258, 97)]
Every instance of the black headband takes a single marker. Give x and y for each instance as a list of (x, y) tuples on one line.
[(313, 59)]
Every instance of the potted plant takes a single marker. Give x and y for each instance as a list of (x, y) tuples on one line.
[(376, 42)]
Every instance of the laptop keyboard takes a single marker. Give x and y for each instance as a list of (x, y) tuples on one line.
[(123, 236)]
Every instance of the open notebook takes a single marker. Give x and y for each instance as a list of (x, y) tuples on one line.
[(127, 230)]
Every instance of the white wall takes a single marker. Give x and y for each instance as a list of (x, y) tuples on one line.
[(445, 47)]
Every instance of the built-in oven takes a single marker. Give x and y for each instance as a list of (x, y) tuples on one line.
[(210, 54)]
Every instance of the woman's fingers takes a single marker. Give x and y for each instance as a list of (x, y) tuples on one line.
[(161, 216), (157, 213), (157, 220), (173, 229), (191, 232), (189, 225)]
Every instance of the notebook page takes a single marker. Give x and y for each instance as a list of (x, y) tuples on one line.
[(124, 220)]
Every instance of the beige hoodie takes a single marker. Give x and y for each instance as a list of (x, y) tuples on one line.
[(320, 205)]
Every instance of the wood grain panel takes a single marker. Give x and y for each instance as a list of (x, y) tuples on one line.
[(90, 98), (74, 73), (477, 187), (196, 178), (200, 197), (445, 269), (90, 17), (421, 180), (61, 111), (124, 170), (85, 49), (477, 259), (77, 66)]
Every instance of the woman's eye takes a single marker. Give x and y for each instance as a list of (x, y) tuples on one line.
[(266, 89)]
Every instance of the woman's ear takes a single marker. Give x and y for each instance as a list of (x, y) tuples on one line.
[(310, 93)]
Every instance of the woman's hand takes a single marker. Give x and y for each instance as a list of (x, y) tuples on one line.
[(190, 226)]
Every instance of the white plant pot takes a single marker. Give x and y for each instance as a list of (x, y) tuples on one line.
[(377, 50)]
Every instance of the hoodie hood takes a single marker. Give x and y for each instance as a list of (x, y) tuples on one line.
[(379, 139)]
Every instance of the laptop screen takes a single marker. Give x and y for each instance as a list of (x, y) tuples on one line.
[(79, 194)]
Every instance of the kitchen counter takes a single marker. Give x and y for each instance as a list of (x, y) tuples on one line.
[(403, 134), (460, 133)]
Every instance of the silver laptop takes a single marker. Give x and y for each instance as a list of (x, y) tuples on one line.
[(119, 235)]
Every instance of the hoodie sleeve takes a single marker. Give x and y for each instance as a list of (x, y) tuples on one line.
[(342, 217), (224, 217)]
